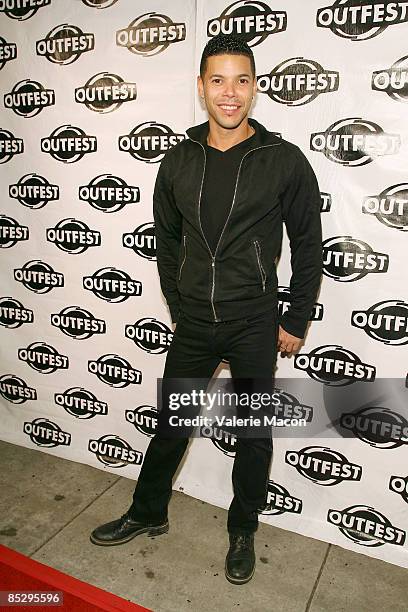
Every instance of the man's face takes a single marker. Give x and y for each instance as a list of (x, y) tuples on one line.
[(227, 87)]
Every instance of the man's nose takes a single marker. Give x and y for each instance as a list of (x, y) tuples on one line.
[(230, 89)]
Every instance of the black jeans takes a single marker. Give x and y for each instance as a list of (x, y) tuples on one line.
[(197, 347)]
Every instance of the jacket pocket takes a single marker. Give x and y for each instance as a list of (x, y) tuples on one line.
[(261, 269), (184, 256)]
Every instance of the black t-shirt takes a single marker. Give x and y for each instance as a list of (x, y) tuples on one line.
[(219, 186)]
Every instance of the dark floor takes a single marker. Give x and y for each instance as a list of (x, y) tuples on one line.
[(49, 506)]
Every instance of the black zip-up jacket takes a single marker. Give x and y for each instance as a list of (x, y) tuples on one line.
[(275, 184)]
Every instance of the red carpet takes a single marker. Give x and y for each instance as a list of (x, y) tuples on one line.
[(20, 573)]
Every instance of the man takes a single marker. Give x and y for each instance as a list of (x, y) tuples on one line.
[(219, 202)]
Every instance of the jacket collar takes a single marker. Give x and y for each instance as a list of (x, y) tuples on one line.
[(262, 136)]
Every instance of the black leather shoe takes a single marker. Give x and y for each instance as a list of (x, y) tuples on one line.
[(240, 561), (124, 529)]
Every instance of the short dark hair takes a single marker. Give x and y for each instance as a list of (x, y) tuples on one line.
[(228, 44)]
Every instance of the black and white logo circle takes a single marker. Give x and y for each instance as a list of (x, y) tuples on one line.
[(9, 146), (144, 418), (43, 358), (326, 202), (150, 34), (8, 52), (399, 484), (15, 390), (113, 451), (297, 81), (28, 98), (105, 92), (78, 323), (112, 285), (34, 191), (73, 236), (46, 433), (347, 259), (366, 526), (13, 314), (149, 334), (334, 365), (251, 20), (223, 440), (284, 302), (142, 241), (22, 9), (99, 4), (377, 426), (289, 407), (279, 501), (393, 81), (390, 207), (323, 466), (11, 232), (354, 142), (109, 193), (385, 321), (68, 144), (114, 371), (357, 20), (80, 403), (149, 141), (64, 44), (38, 276)]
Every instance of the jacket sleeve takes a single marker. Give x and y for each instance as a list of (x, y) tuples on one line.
[(301, 204), (168, 228)]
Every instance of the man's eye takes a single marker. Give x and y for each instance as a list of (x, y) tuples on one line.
[(216, 81), (243, 81)]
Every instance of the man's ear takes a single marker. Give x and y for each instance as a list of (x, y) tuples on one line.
[(200, 86)]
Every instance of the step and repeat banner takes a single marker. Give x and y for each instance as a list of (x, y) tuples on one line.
[(93, 94)]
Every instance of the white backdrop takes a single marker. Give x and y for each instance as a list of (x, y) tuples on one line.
[(93, 92)]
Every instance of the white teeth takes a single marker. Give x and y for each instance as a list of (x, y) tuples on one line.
[(228, 107)]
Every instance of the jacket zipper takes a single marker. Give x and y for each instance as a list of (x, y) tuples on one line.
[(216, 319), (185, 255), (260, 266)]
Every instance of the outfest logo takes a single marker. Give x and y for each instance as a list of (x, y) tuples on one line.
[(284, 302), (297, 81), (390, 207), (8, 52), (68, 144), (144, 418), (150, 34), (149, 141), (99, 4), (10, 145), (334, 365), (105, 92), (149, 334), (38, 276), (78, 323), (354, 142), (361, 20), (114, 371), (348, 259), (22, 9), (109, 193), (15, 390), (366, 526), (13, 314), (80, 403), (323, 466), (252, 20), (115, 452), (43, 358), (377, 426), (34, 191), (112, 285), (73, 236), (65, 44), (142, 241), (28, 98), (393, 81), (279, 501), (399, 484), (46, 433), (11, 232), (385, 321)]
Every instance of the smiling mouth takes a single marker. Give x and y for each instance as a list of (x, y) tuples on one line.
[(229, 107)]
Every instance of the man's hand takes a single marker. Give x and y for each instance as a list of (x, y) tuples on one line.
[(288, 344)]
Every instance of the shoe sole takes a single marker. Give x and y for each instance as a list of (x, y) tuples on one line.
[(150, 531), (238, 580)]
